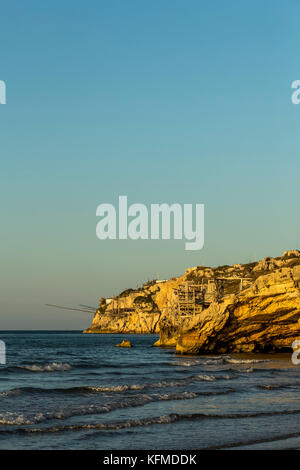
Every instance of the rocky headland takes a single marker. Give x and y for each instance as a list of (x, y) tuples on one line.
[(253, 307)]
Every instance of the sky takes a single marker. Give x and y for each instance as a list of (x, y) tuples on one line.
[(166, 102)]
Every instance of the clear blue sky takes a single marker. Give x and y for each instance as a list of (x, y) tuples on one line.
[(164, 101)]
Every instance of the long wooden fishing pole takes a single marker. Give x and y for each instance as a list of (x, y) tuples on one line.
[(69, 308), (87, 306)]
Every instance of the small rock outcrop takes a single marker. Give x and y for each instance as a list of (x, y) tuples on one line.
[(125, 344)]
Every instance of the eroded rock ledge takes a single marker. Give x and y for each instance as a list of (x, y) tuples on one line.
[(262, 317)]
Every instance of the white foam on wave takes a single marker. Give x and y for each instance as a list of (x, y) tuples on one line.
[(207, 378), (187, 363), (220, 360), (246, 361), (20, 419), (165, 419), (13, 418), (53, 367), (216, 360), (228, 377), (162, 384)]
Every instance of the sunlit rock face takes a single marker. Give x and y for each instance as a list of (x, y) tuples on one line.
[(135, 310), (261, 316), (265, 317)]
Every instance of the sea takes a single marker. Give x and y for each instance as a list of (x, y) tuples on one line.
[(68, 390)]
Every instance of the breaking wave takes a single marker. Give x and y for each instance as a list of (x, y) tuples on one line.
[(230, 360), (9, 418), (217, 360), (53, 367), (161, 384), (166, 419), (112, 388)]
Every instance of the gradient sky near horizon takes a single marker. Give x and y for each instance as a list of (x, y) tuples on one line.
[(162, 101)]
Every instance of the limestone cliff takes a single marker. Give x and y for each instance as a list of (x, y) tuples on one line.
[(134, 310), (134, 323), (264, 317), (258, 309)]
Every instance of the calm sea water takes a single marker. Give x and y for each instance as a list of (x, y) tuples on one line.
[(67, 390)]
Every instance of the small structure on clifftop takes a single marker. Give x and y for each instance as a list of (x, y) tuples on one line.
[(192, 299)]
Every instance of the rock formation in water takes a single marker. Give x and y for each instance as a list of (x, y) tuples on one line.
[(125, 344), (258, 309)]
